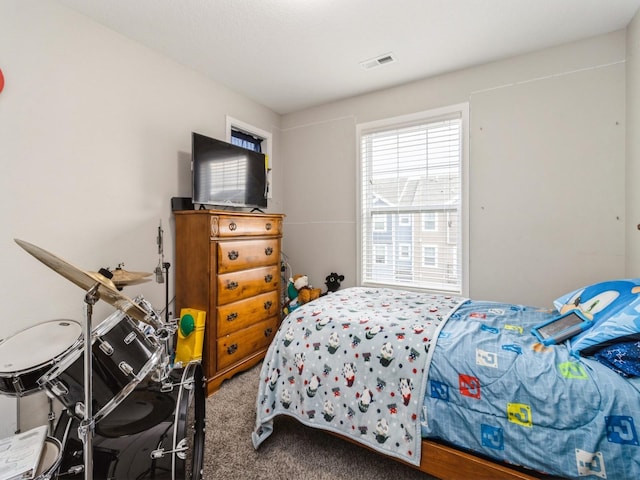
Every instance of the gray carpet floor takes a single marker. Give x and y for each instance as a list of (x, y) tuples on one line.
[(292, 452)]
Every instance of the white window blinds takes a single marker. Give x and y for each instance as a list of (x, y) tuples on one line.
[(410, 205)]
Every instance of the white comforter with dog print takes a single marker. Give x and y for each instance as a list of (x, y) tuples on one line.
[(355, 362)]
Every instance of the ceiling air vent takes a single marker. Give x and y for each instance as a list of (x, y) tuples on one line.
[(378, 61)]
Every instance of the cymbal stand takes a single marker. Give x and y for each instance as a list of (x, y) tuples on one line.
[(85, 430)]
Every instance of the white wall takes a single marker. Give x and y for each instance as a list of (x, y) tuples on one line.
[(547, 206), (633, 148), (95, 134)]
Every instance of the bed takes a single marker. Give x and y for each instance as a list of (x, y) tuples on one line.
[(460, 388)]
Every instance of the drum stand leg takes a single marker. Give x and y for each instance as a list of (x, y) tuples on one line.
[(85, 430), (17, 414), (51, 417)]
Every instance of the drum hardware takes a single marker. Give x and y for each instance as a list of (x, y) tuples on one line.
[(162, 269), (180, 451), (86, 429), (169, 386), (51, 416)]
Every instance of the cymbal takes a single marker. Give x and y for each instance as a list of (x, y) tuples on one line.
[(122, 278), (121, 275), (87, 280)]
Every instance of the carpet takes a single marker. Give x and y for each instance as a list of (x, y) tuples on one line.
[(292, 452)]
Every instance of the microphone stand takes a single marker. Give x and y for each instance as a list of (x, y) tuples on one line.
[(166, 266), (85, 430)]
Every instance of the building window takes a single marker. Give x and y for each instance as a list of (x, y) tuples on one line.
[(404, 251), (380, 254), (412, 172), (429, 256), (379, 223), (429, 221)]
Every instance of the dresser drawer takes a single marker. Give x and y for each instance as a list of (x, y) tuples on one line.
[(238, 226), (237, 315), (242, 254), (236, 346), (247, 283)]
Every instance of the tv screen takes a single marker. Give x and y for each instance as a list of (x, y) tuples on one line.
[(227, 175)]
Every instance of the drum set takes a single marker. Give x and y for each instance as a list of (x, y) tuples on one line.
[(127, 412)]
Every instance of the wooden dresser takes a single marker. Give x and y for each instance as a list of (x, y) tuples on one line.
[(228, 264)]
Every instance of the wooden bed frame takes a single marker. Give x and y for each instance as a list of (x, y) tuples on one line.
[(449, 463)]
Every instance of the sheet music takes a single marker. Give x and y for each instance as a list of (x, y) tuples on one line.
[(20, 454)]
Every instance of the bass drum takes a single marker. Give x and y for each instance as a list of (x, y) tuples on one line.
[(157, 432)]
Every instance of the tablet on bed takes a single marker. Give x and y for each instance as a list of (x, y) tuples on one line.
[(562, 327)]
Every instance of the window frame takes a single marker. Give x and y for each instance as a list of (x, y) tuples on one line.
[(461, 109)]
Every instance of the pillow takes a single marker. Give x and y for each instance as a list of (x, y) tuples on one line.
[(622, 358), (614, 306)]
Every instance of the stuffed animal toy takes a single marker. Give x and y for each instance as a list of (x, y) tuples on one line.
[(300, 292), (333, 282), (306, 292)]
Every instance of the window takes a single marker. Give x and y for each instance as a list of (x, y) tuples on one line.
[(429, 220), (246, 140), (380, 254), (412, 199), (404, 251), (430, 256), (252, 138)]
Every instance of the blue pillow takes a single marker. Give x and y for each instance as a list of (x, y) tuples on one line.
[(614, 306), (622, 357)]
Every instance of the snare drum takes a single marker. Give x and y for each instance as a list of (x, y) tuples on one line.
[(121, 357), (49, 459), (27, 355), (157, 433)]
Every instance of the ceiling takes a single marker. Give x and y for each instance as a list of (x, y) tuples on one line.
[(293, 54)]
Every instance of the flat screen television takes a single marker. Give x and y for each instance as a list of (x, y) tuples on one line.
[(227, 175)]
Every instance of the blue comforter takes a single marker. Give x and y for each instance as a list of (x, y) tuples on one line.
[(493, 389)]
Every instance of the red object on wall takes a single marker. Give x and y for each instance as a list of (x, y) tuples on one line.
[(1, 80)]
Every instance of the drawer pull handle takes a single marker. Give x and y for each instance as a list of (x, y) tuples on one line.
[(268, 251), (268, 226), (233, 255), (232, 349), (232, 285), (268, 304), (268, 332), (268, 278), (232, 316), (233, 226)]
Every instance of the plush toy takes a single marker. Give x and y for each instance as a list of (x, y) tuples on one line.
[(333, 282), (300, 292)]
